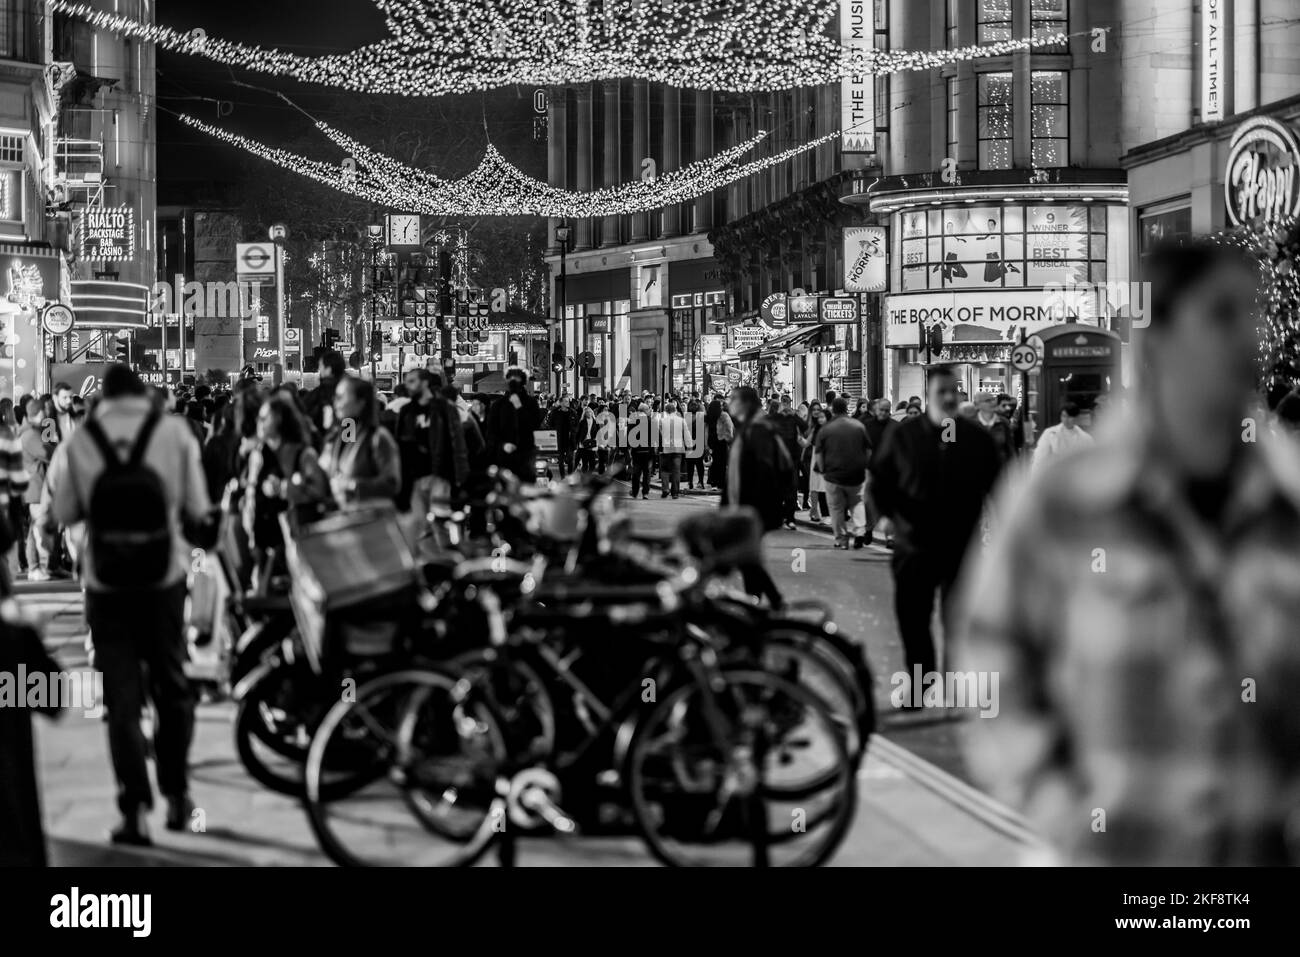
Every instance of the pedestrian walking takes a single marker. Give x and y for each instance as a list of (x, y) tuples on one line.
[(131, 474), (1062, 439), (932, 479), (360, 459), (672, 449), (759, 473), (511, 423), (639, 443), (818, 508), (37, 440), (842, 451)]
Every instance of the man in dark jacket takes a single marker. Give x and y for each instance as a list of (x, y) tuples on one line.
[(781, 417), (435, 458), (511, 422), (562, 421), (841, 454), (758, 474), (319, 402), (932, 478)]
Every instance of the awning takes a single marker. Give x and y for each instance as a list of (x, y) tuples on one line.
[(799, 339)]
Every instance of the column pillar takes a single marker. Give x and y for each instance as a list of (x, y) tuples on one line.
[(582, 235), (640, 144), (610, 231), (672, 215), (703, 150)]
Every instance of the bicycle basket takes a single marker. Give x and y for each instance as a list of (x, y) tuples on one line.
[(724, 539), (347, 573)]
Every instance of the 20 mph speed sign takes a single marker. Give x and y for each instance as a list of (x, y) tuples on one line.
[(1024, 358)]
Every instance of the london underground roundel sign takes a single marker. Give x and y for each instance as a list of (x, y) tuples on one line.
[(1262, 180)]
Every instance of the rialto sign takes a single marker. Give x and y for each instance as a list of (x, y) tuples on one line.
[(1263, 176)]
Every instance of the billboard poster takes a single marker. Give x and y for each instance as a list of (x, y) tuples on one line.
[(864, 259), (108, 233)]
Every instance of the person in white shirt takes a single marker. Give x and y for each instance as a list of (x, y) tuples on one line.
[(1062, 438)]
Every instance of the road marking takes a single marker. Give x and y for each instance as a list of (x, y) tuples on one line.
[(957, 792)]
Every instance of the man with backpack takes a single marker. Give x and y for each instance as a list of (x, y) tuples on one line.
[(130, 474)]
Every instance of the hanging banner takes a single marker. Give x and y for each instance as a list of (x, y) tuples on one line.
[(864, 259), (857, 90), (1212, 60)]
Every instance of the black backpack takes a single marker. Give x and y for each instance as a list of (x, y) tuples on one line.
[(128, 528)]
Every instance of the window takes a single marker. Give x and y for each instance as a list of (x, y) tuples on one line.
[(1050, 121), (1004, 246), (994, 21), (11, 148), (20, 33), (950, 93), (996, 124), (1048, 18), (1161, 223)]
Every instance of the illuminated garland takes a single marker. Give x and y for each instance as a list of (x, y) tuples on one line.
[(496, 187), (1276, 246), (457, 46)]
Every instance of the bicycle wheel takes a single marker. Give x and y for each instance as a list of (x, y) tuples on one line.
[(518, 697), (840, 676), (279, 705), (440, 750), (754, 772)]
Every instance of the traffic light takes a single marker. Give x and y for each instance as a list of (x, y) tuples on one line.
[(330, 337), (123, 351)]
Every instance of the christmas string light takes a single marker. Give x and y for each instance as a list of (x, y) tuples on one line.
[(496, 187), (495, 171), (457, 46), (1275, 245)]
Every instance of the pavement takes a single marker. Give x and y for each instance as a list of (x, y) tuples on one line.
[(917, 806)]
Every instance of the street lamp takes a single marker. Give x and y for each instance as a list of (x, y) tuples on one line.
[(375, 231), (562, 237)]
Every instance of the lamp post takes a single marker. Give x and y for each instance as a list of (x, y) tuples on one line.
[(375, 232), (562, 237)]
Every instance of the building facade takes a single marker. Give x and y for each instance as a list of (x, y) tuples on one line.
[(999, 186), (1223, 148), (77, 189)]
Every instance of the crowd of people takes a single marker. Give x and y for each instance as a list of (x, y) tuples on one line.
[(1127, 589)]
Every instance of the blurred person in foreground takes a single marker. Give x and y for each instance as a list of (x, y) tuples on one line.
[(1139, 605)]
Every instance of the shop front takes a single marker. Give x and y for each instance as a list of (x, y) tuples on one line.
[(1214, 177), (974, 269), (31, 283)]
